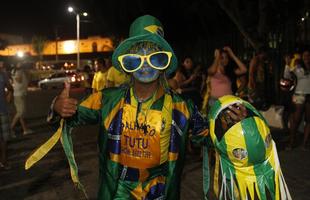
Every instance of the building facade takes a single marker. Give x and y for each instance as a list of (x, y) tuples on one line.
[(62, 47)]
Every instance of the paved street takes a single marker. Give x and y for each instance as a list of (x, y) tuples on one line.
[(50, 179)]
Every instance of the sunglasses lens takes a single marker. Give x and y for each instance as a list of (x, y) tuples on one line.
[(131, 62), (159, 60)]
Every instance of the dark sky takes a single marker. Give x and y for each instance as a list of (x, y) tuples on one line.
[(42, 17), (35, 17), (185, 21)]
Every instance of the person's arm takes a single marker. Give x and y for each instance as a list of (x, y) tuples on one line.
[(184, 82), (215, 65), (173, 84), (252, 70), (179, 77), (241, 66), (74, 113)]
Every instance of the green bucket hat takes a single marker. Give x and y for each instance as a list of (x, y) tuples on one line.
[(149, 29)]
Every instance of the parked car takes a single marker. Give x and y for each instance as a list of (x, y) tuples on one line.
[(56, 80)]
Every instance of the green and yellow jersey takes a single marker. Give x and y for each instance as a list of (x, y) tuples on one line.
[(142, 144)]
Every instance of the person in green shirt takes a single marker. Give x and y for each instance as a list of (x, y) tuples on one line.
[(144, 125)]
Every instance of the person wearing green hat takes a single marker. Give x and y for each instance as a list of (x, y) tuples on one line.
[(143, 126)]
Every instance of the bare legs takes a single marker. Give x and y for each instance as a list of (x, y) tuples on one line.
[(295, 121), (19, 102), (307, 127), (19, 118)]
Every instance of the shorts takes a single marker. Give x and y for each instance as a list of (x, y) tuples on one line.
[(300, 98), (19, 102), (4, 127)]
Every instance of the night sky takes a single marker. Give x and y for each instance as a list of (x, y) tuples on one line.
[(186, 22), (35, 17)]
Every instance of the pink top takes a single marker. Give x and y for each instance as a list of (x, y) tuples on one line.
[(220, 85)]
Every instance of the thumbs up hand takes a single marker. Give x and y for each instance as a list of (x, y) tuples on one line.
[(64, 105)]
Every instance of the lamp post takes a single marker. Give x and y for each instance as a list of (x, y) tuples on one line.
[(71, 10)]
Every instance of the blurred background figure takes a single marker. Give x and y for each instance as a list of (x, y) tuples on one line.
[(6, 91), (301, 96), (259, 85), (189, 81), (172, 81), (20, 85), (100, 77), (287, 86), (222, 75), (115, 77), (88, 79), (242, 87)]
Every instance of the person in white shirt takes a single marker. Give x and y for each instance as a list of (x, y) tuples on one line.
[(20, 84), (301, 97)]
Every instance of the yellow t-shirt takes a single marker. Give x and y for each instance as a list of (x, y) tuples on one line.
[(100, 80), (117, 77)]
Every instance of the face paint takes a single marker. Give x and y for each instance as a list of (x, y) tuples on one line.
[(146, 73)]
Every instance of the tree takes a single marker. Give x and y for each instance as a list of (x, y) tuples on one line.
[(38, 45)]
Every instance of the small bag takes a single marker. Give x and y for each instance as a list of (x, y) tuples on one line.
[(274, 117)]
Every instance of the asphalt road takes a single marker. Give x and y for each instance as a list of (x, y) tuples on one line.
[(49, 179)]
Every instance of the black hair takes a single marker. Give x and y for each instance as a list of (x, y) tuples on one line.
[(303, 50), (100, 60), (229, 71)]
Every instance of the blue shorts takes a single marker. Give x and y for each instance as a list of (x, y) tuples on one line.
[(4, 127)]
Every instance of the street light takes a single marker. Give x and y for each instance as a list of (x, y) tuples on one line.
[(20, 54), (71, 10)]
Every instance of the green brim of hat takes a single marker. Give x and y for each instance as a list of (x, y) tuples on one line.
[(125, 46)]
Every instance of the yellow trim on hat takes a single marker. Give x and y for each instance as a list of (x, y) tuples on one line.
[(154, 29)]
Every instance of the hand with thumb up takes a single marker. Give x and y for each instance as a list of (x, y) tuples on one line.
[(64, 105)]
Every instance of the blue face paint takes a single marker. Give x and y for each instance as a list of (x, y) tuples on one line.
[(146, 73)]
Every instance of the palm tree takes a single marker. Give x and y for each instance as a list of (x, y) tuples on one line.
[(38, 45)]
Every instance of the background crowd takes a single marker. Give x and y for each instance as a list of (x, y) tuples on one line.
[(252, 80)]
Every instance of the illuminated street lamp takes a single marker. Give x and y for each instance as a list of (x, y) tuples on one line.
[(71, 10), (20, 54)]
